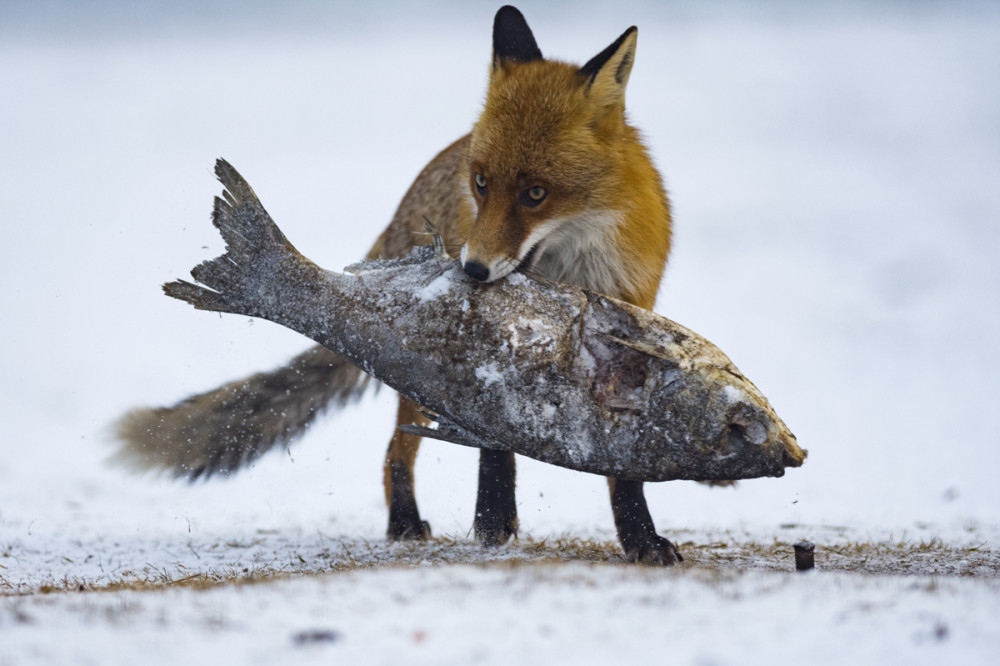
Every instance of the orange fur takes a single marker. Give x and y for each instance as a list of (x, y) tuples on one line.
[(552, 179), (603, 223)]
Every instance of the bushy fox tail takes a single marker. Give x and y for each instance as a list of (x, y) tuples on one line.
[(228, 428)]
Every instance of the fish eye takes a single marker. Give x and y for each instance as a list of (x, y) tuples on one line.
[(480, 181), (533, 196)]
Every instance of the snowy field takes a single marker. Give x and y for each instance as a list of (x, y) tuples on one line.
[(835, 175)]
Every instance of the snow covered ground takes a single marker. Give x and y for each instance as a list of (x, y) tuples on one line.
[(835, 174)]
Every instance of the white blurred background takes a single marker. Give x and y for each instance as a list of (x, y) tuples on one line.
[(835, 176)]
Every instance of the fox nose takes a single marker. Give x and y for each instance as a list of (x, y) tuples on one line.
[(476, 270)]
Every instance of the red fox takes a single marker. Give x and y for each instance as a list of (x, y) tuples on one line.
[(552, 179)]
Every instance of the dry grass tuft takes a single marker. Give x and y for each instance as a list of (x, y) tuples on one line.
[(718, 554)]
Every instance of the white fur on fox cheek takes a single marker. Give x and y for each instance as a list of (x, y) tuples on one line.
[(474, 206), (537, 237), (503, 266)]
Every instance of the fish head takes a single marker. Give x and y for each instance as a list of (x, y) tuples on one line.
[(736, 428)]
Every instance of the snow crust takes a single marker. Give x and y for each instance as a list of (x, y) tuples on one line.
[(490, 375), (438, 287), (734, 394), (833, 172), (558, 614)]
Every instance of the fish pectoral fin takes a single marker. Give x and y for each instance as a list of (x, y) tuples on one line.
[(432, 433), (449, 431), (645, 348), (439, 433)]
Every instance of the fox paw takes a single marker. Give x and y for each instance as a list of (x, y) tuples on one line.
[(653, 550), (494, 528), (408, 530)]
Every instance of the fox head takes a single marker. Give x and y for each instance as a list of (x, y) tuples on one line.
[(551, 161)]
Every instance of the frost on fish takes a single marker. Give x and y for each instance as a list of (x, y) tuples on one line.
[(546, 370)]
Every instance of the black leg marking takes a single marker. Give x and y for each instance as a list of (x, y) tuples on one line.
[(496, 508), (635, 526), (404, 517)]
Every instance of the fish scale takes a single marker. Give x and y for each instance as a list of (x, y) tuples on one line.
[(546, 370)]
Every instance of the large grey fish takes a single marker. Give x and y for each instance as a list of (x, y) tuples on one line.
[(546, 370)]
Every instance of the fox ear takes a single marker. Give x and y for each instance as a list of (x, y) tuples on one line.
[(607, 73), (512, 38)]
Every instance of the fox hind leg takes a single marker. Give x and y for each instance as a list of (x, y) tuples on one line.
[(404, 517), (636, 531)]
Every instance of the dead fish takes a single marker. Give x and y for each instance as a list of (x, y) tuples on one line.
[(549, 371)]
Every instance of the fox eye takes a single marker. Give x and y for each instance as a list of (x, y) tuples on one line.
[(533, 196), (480, 181)]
